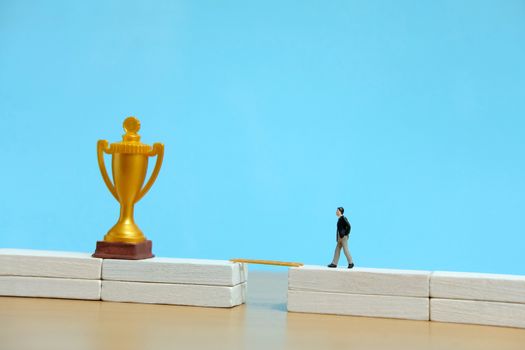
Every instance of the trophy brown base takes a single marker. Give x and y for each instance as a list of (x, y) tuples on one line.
[(126, 251)]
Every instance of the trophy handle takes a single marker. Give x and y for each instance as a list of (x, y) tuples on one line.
[(102, 146), (158, 150)]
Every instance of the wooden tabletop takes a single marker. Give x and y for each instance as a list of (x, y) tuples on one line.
[(262, 323)]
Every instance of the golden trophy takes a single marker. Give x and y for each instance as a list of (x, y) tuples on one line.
[(129, 166)]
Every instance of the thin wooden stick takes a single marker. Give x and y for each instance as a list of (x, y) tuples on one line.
[(267, 262)]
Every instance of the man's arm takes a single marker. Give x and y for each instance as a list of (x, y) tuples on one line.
[(340, 228), (348, 226)]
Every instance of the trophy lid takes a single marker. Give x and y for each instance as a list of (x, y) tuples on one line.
[(131, 139)]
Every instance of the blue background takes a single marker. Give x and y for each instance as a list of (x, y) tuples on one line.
[(410, 114)]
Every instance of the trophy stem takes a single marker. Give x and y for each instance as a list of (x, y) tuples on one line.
[(126, 213), (125, 230)]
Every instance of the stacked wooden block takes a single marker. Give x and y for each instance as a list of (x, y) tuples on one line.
[(49, 274), (359, 292), (67, 275), (211, 283), (487, 299)]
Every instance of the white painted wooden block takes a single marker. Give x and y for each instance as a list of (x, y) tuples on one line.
[(412, 308), (477, 286), (42, 263), (172, 270), (360, 281), (174, 294), (478, 312), (45, 287)]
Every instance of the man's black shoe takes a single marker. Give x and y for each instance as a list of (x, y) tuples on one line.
[(350, 265), (332, 265)]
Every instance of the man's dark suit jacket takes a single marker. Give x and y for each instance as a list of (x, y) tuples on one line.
[(343, 226)]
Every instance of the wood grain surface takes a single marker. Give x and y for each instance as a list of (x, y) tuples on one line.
[(174, 294), (175, 270), (46, 287), (42, 263), (477, 286), (478, 312), (407, 283), (410, 308)]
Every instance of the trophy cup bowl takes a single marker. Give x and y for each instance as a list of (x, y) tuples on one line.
[(129, 167)]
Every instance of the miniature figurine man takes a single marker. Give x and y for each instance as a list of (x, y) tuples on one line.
[(342, 233)]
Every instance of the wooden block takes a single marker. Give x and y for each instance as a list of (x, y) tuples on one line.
[(45, 287), (360, 281), (477, 286), (174, 294), (179, 271), (411, 308), (41, 263), (478, 312)]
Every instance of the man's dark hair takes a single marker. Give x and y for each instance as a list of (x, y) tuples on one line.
[(341, 209)]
